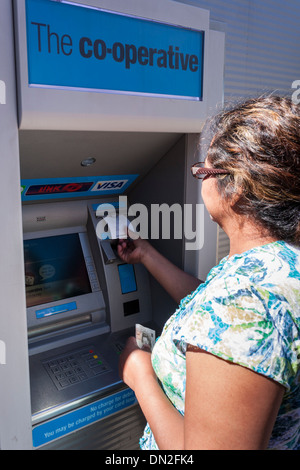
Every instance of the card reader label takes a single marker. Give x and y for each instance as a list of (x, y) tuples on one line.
[(127, 278), (58, 427)]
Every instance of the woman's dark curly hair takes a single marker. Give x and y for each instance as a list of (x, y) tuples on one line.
[(258, 142)]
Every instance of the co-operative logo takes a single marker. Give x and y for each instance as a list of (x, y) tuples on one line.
[(2, 92), (113, 185)]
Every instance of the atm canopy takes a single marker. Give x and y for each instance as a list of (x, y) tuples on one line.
[(111, 80)]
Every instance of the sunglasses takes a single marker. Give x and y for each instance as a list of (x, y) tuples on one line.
[(200, 172)]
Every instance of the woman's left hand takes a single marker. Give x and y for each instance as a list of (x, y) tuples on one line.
[(165, 421), (134, 364)]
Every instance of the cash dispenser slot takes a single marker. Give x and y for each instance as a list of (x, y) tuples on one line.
[(61, 325)]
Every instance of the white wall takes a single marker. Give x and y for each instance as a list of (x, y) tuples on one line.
[(15, 412), (262, 44)]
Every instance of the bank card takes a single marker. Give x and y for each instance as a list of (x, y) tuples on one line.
[(145, 337)]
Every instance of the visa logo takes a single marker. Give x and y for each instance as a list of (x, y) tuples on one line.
[(109, 185)]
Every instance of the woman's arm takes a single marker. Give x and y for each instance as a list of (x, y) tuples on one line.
[(165, 421), (176, 282), (227, 406)]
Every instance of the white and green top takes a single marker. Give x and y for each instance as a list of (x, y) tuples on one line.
[(247, 312)]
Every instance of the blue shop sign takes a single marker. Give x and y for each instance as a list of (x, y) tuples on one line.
[(79, 47)]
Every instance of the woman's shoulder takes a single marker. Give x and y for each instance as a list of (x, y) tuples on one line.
[(277, 260), (263, 279)]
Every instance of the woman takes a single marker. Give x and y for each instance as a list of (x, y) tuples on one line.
[(228, 360)]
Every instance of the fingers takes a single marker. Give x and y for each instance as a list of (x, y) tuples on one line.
[(125, 249)]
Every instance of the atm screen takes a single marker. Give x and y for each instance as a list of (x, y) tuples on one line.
[(55, 269)]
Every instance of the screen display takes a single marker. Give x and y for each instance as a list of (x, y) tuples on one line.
[(55, 269)]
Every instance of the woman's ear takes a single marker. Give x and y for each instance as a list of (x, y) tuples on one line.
[(237, 194)]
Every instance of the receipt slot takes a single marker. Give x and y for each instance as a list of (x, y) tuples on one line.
[(111, 101)]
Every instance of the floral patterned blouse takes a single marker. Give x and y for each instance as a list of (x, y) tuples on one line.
[(247, 312)]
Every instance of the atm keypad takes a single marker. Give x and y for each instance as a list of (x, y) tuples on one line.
[(75, 367)]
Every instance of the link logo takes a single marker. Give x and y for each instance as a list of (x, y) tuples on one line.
[(2, 92), (109, 185), (58, 188)]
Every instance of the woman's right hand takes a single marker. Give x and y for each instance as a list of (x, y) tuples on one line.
[(133, 251)]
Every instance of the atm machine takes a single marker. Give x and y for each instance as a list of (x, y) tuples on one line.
[(112, 97), (74, 280)]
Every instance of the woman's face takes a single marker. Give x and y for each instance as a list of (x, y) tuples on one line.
[(216, 205)]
